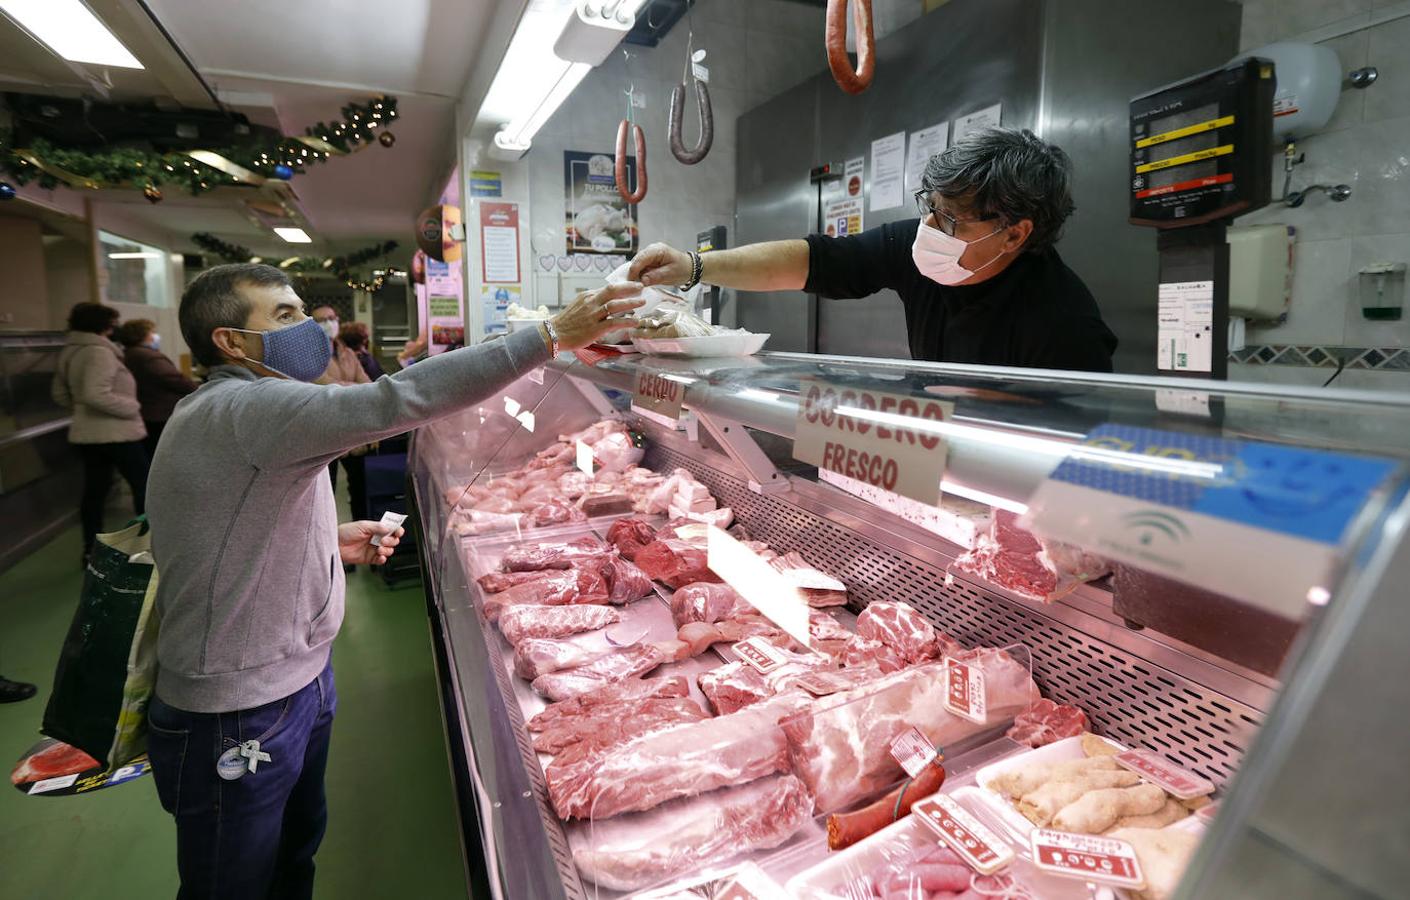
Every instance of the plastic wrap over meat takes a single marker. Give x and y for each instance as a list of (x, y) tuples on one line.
[(604, 670), (475, 521), (1047, 722), (733, 686), (568, 586), (616, 452), (552, 555), (905, 632), (841, 746), (606, 727), (707, 602), (630, 535), (494, 582), (539, 656), (675, 563), (625, 582), (554, 512), (679, 762), (608, 696), (681, 836), (519, 623), (1014, 558)]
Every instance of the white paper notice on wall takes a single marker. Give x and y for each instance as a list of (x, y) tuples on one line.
[(1185, 329), (924, 144), (888, 156), (977, 121)]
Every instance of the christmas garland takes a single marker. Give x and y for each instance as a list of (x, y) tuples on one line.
[(51, 166), (340, 267)]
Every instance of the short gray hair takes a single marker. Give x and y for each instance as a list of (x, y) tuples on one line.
[(213, 300), (1011, 174)]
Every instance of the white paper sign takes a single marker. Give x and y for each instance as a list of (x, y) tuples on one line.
[(1185, 329), (888, 156), (501, 253), (924, 144), (977, 121), (911, 749)]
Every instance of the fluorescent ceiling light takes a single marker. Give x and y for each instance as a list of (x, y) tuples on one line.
[(135, 255), (522, 128), (294, 235), (70, 29)]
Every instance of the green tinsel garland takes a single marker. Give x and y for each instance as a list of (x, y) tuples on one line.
[(341, 267)]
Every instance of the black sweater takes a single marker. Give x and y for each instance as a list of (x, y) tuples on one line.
[(1036, 313)]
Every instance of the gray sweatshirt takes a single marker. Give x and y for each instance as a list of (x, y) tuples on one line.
[(244, 529)]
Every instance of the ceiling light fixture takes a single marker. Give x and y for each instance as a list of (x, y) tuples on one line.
[(134, 256), (294, 235), (69, 29)]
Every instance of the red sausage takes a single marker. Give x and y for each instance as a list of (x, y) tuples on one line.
[(850, 80), (640, 193), (677, 124), (845, 829)]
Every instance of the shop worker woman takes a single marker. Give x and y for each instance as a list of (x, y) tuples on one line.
[(251, 557), (977, 271)]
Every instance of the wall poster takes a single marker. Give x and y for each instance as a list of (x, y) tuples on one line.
[(597, 219)]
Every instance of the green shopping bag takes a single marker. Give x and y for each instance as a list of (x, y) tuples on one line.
[(108, 664)]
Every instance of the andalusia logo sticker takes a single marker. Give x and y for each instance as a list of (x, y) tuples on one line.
[(1152, 522)]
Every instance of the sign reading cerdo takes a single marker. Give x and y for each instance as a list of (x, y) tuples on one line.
[(658, 393), (890, 441)]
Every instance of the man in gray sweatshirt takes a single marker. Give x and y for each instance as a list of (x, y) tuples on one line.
[(246, 539)]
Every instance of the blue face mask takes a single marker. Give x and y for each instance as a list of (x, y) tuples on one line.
[(300, 351)]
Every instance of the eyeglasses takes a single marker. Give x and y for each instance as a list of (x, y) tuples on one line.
[(946, 221)]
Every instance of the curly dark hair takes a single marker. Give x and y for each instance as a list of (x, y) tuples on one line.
[(94, 318), (135, 331), (354, 335)]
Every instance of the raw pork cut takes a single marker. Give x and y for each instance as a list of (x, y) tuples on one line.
[(678, 762), (539, 656), (554, 512), (686, 835), (1047, 722), (707, 602), (733, 686), (904, 633), (841, 746), (495, 582), (561, 555), (623, 692), (571, 586), (615, 724), (869, 652), (817, 587), (1015, 558), (606, 669), (519, 623), (675, 563), (630, 535), (625, 582)]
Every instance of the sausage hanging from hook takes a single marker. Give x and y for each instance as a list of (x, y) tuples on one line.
[(621, 169), (853, 81), (677, 124)]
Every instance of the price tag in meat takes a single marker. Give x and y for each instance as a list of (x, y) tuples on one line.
[(890, 441), (584, 458), (760, 654), (657, 393), (1165, 775), (1087, 856), (964, 691), (981, 849), (911, 749)]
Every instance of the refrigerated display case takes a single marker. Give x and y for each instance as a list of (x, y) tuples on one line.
[(1213, 572)]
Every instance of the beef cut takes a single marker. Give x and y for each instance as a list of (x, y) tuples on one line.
[(1018, 560), (630, 535), (675, 563), (625, 582), (518, 623), (552, 555), (626, 691), (686, 835)]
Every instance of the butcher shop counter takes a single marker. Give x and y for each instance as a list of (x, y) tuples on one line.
[(1208, 570)]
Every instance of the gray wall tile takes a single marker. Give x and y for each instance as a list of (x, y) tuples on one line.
[(1317, 314), (1389, 97), (1266, 21), (1363, 332)]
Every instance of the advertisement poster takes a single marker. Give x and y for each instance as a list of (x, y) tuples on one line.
[(597, 219), (444, 311), (499, 242), (842, 207), (495, 299)]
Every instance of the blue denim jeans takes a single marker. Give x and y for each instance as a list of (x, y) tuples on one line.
[(256, 836)]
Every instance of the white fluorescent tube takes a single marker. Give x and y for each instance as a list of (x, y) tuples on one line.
[(134, 256), (522, 128), (70, 29), (294, 235)]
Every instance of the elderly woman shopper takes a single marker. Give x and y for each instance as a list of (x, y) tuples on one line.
[(160, 383)]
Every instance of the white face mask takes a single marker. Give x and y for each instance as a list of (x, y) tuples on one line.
[(155, 341), (330, 328), (937, 254)]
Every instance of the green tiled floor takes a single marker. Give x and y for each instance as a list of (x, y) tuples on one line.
[(392, 829)]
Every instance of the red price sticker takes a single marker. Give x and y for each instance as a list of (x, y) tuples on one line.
[(760, 654), (1165, 775), (1088, 857), (980, 848), (913, 751), (964, 691)]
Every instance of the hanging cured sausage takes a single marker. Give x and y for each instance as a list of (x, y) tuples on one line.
[(622, 182), (677, 124), (853, 81)]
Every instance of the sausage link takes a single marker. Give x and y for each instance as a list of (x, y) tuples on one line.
[(621, 163), (845, 829), (677, 124), (853, 81)]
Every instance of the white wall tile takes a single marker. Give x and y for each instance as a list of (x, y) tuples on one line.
[(1317, 314), (1389, 97), (1360, 331), (1373, 380), (1293, 375), (1266, 21)]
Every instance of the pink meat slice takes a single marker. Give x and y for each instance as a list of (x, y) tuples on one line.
[(630, 535), (518, 623), (570, 586), (611, 695), (625, 581), (675, 563), (678, 762), (552, 555), (539, 656), (733, 686), (685, 835), (1047, 722), (495, 582), (903, 629), (707, 602), (1016, 559), (554, 512), (613, 725), (604, 670)]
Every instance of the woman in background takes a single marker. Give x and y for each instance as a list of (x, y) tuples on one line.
[(159, 382), (107, 424), (355, 337)]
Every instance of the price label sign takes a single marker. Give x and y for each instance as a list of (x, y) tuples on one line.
[(964, 691), (584, 458), (1088, 857), (890, 441), (658, 393), (1165, 775), (760, 654), (536, 375), (913, 751), (981, 849)]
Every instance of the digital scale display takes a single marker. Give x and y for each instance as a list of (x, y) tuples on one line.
[(1201, 149)]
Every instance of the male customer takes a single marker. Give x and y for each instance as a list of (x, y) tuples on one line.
[(245, 534), (160, 383)]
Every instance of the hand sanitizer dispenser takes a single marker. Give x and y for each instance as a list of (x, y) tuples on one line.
[(1383, 291)]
